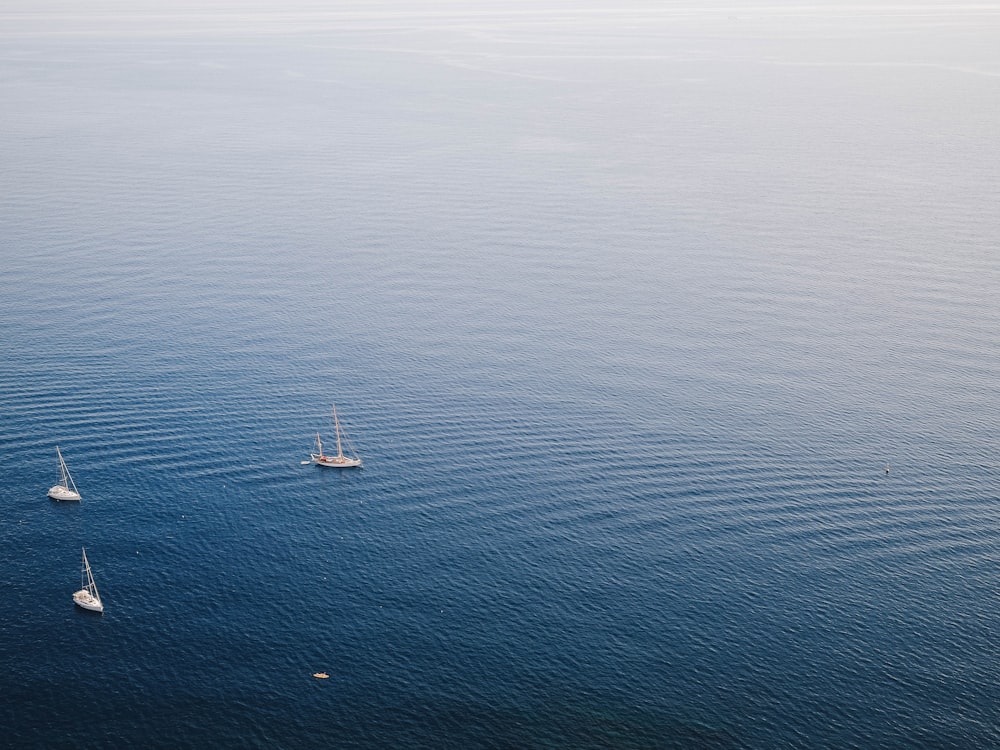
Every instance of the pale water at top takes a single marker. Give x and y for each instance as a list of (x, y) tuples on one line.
[(627, 311)]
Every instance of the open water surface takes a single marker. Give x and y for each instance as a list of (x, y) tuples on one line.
[(626, 310)]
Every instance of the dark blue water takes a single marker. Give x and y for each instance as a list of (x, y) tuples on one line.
[(626, 313)]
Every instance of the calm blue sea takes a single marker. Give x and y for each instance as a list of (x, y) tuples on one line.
[(626, 310)]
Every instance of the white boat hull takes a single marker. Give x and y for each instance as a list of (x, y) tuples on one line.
[(83, 599), (340, 461), (63, 493), (336, 462)]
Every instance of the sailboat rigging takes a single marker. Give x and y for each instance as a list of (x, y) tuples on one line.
[(339, 461), (87, 597), (66, 489)]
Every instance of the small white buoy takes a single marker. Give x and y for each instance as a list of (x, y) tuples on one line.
[(887, 468)]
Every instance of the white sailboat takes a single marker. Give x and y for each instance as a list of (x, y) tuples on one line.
[(339, 461), (66, 489), (87, 597)]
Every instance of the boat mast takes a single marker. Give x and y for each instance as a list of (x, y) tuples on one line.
[(62, 469), (88, 577), (336, 425), (67, 478)]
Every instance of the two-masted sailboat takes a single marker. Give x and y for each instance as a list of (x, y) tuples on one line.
[(66, 489), (339, 461), (87, 597)]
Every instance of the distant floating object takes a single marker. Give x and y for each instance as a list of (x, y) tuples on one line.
[(66, 489), (340, 461), (887, 468), (87, 597), (305, 463), (321, 675)]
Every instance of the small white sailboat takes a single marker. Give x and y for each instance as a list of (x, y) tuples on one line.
[(339, 461), (87, 597), (66, 489)]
